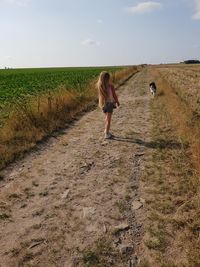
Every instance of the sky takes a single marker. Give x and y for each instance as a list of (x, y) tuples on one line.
[(56, 33)]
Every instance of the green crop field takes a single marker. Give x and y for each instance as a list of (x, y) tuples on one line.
[(21, 84)]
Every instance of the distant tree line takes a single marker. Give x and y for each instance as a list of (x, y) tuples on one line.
[(8, 68), (192, 61)]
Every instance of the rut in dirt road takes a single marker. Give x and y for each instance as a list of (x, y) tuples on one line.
[(76, 200)]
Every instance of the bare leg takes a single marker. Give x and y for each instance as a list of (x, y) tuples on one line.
[(107, 122)]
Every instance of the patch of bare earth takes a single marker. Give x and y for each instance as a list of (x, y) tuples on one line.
[(76, 201)]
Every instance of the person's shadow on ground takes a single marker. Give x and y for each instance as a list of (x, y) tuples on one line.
[(157, 144)]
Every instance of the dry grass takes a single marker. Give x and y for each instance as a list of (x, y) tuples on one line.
[(172, 182), (98, 255), (119, 77), (183, 88), (183, 114), (36, 118)]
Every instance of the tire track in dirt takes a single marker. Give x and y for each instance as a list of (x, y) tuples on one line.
[(78, 191)]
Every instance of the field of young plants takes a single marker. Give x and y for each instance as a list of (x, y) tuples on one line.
[(18, 83), (22, 84)]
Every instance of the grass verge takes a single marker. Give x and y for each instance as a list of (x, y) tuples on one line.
[(99, 255), (171, 183)]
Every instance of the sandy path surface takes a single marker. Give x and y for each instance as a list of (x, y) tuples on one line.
[(76, 201)]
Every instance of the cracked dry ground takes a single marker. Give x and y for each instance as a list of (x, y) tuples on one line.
[(77, 201)]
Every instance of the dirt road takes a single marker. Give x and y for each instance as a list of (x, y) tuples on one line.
[(76, 201)]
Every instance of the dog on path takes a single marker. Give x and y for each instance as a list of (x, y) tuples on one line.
[(152, 88)]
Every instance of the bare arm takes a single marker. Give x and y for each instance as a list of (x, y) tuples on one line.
[(115, 96)]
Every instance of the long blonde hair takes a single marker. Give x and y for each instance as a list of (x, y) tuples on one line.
[(102, 91)]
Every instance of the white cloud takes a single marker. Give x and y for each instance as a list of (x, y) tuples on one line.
[(22, 3), (145, 7), (100, 21), (196, 15), (90, 42)]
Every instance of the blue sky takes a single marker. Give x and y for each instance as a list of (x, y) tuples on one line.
[(42, 33)]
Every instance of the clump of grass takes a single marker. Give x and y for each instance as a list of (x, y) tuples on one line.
[(167, 207), (122, 205), (15, 252), (90, 258), (4, 216), (38, 213), (14, 196), (27, 257), (44, 193), (99, 255), (28, 192), (128, 197), (144, 263), (158, 240)]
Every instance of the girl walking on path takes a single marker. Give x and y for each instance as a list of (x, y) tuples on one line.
[(107, 100)]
